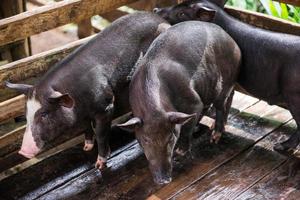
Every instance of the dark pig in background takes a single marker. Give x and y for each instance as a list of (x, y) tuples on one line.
[(187, 68), (270, 67), (89, 85)]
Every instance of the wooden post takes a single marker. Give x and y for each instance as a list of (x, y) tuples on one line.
[(21, 48)]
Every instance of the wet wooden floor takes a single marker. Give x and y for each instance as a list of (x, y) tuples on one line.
[(242, 166)]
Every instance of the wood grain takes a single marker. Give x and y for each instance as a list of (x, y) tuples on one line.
[(51, 16)]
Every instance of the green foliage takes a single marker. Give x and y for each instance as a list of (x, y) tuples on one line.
[(276, 9)]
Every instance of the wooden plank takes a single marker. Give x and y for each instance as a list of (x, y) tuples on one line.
[(53, 15), (11, 142), (134, 180), (12, 108), (282, 183), (292, 2), (60, 168), (12, 159), (241, 172), (264, 21), (21, 49), (36, 64), (244, 130)]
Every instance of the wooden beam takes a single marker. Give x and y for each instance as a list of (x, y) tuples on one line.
[(11, 142), (264, 21), (36, 64), (12, 108), (20, 49), (292, 2), (53, 15)]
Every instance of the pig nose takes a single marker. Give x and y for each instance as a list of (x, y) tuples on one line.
[(156, 10)]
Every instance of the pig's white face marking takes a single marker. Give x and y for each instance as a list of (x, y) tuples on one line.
[(163, 27), (29, 147), (33, 105)]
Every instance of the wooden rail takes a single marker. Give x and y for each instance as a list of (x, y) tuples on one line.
[(292, 2), (38, 64), (51, 16), (264, 21)]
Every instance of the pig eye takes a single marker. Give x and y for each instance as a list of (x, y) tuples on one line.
[(44, 114), (181, 14)]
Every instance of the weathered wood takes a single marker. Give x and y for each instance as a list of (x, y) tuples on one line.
[(62, 167), (12, 108), (21, 49), (292, 2), (241, 172), (264, 21), (244, 131), (37, 64), (12, 159), (85, 28), (113, 15), (11, 142), (53, 15), (39, 2), (134, 180), (282, 183)]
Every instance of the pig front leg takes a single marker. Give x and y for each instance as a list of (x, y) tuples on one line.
[(183, 145), (89, 139), (103, 125), (222, 111)]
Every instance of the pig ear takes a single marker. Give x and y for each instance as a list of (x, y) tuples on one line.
[(64, 100), (22, 88), (131, 124), (204, 13), (180, 118)]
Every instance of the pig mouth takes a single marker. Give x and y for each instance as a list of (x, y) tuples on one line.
[(26, 155), (29, 151)]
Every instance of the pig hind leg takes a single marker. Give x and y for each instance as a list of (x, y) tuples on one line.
[(293, 141), (222, 111), (103, 125)]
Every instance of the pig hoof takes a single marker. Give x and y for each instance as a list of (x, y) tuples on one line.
[(215, 137), (100, 163), (181, 152), (88, 145), (212, 126)]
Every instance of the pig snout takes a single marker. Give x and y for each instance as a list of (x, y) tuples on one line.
[(162, 178), (162, 174), (29, 148)]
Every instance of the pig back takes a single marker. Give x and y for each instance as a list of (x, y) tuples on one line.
[(105, 61)]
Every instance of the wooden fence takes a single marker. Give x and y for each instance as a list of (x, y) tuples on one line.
[(49, 16)]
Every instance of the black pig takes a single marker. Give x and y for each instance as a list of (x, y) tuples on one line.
[(270, 67), (88, 85), (186, 69)]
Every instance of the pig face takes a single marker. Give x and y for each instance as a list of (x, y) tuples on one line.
[(47, 117), (158, 137), (190, 10)]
